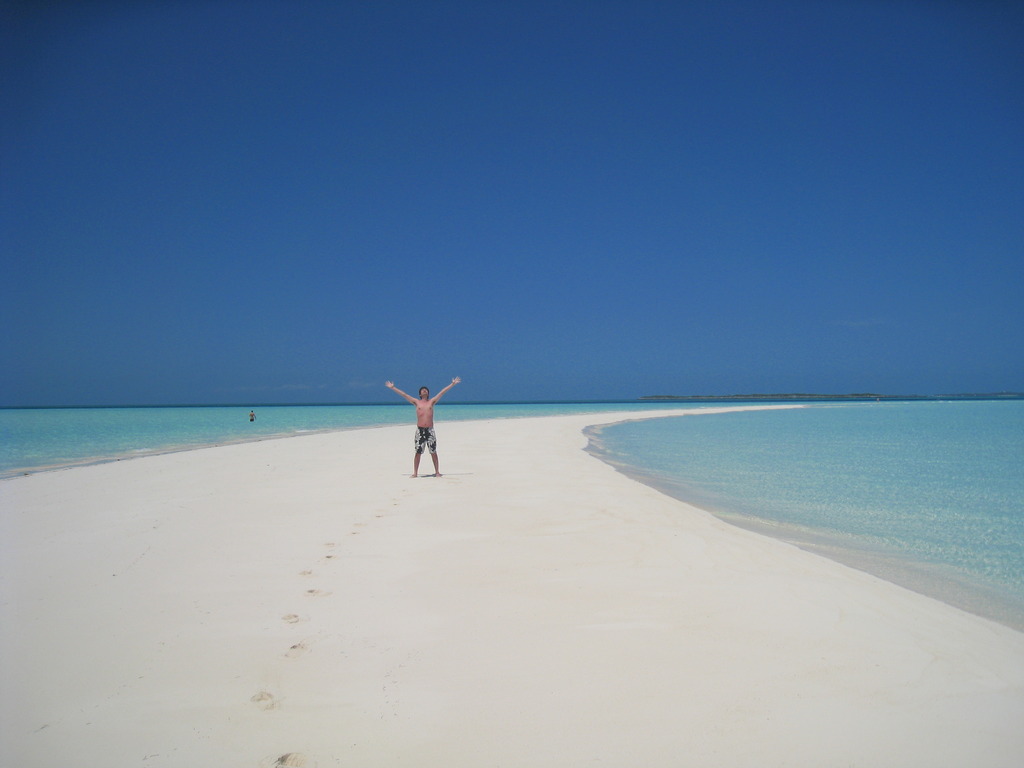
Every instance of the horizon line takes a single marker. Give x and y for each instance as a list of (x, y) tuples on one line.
[(546, 401)]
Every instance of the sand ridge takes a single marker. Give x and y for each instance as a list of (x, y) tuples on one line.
[(304, 602)]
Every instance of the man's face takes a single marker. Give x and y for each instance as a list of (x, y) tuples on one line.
[(424, 393)]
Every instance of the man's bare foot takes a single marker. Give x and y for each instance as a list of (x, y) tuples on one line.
[(413, 475), (438, 474)]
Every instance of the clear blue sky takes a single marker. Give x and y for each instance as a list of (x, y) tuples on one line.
[(250, 202)]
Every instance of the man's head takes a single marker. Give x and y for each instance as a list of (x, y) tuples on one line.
[(424, 393)]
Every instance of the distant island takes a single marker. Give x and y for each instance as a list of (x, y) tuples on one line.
[(854, 396)]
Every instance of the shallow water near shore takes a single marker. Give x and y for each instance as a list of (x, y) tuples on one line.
[(927, 494)]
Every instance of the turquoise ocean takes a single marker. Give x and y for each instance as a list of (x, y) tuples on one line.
[(929, 494)]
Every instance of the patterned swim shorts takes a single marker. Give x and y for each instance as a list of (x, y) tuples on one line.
[(425, 438)]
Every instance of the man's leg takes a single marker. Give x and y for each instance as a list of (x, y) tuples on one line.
[(432, 447), (419, 443)]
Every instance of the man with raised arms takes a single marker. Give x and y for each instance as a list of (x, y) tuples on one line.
[(425, 437)]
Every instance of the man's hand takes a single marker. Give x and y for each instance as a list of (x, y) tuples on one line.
[(389, 384), (437, 397)]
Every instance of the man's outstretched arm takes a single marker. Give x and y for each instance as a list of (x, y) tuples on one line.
[(437, 397), (391, 385)]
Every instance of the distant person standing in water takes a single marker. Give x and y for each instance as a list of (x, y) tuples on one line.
[(425, 437), (252, 415)]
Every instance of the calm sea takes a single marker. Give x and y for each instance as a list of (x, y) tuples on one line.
[(926, 494)]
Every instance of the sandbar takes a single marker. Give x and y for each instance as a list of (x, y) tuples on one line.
[(305, 602)]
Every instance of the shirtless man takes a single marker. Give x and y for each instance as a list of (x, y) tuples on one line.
[(425, 437)]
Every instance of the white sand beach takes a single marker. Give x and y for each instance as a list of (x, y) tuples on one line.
[(304, 602)]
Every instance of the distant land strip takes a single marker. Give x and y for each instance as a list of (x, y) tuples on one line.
[(853, 396)]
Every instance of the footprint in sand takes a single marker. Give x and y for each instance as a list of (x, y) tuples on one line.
[(305, 573), (291, 760), (316, 593), (291, 618), (297, 650), (265, 701)]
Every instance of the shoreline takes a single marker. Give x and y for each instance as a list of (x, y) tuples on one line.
[(934, 580), (167, 450), (955, 586), (535, 606)]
